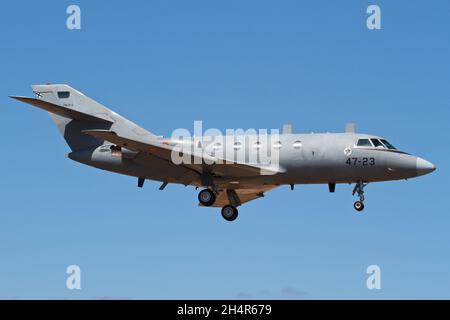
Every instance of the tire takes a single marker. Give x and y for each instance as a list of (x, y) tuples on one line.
[(229, 213), (358, 205), (206, 197)]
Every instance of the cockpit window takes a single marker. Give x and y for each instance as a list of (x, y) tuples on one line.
[(387, 144), (377, 143), (364, 143)]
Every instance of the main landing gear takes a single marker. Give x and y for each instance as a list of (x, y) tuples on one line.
[(207, 197), (359, 189), (229, 213)]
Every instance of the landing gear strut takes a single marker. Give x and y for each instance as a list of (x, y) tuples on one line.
[(359, 189), (206, 197)]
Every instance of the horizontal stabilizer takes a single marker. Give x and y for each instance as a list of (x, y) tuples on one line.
[(63, 111)]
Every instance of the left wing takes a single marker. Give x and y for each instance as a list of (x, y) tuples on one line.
[(163, 150)]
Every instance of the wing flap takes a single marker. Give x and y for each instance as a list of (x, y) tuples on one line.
[(244, 195)]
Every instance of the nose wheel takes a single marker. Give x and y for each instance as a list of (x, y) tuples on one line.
[(359, 189), (358, 205)]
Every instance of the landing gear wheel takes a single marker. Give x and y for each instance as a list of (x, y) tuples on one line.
[(206, 197), (229, 213), (359, 206)]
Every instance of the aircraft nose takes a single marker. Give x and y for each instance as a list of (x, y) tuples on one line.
[(423, 166)]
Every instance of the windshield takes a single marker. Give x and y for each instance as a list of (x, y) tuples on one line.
[(377, 143), (387, 144)]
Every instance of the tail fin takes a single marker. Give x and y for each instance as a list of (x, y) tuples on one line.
[(74, 112)]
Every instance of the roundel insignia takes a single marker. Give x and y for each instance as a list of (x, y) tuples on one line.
[(347, 151)]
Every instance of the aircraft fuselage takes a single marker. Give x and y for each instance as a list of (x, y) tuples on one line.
[(303, 159)]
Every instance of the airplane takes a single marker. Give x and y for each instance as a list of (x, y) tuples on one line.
[(101, 138)]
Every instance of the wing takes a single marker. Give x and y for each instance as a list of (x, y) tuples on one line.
[(240, 196), (162, 149)]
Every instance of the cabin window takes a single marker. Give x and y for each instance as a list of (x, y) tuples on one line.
[(377, 143), (257, 145), (237, 145), (277, 145), (364, 143), (63, 94), (388, 145), (297, 144)]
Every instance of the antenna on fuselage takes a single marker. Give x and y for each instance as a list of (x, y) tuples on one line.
[(350, 127), (287, 128)]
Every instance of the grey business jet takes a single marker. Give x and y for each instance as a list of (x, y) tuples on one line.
[(230, 170)]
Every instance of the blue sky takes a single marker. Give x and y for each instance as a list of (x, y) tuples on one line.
[(232, 64)]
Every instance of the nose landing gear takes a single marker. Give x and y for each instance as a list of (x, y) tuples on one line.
[(359, 189), (358, 205)]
